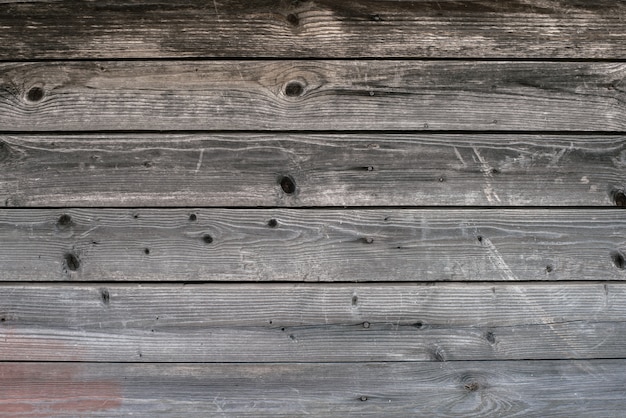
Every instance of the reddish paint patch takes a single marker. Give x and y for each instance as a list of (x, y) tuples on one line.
[(55, 389), (20, 345)]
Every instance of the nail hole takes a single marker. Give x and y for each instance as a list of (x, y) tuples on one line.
[(490, 337), (494, 171), (294, 89), (366, 324), (287, 184), (271, 322), (72, 261), (135, 215), (438, 355), (35, 94), (472, 387), (64, 221), (418, 324), (146, 251), (479, 238), (368, 240), (105, 296), (355, 300), (441, 179), (293, 19), (272, 223), (363, 398), (193, 217), (375, 18), (549, 268), (619, 198), (282, 329), (618, 260), (207, 239)]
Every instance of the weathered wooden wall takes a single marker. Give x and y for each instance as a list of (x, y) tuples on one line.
[(287, 208)]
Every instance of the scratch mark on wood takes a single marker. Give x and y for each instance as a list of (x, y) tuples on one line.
[(199, 161), (497, 260), (216, 12), (458, 154), (486, 168)]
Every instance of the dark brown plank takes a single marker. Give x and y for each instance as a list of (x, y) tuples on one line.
[(322, 28), (310, 323), (451, 389), (328, 170), (311, 245), (312, 95)]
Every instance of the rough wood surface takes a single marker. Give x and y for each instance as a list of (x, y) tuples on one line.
[(328, 170), (450, 389), (312, 95), (320, 28), (311, 245), (311, 323)]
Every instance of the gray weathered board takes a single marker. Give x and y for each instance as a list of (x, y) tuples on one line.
[(313, 95), (314, 245), (312, 207), (312, 322), (245, 169), (320, 28), (541, 389)]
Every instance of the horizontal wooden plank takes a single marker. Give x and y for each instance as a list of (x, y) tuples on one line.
[(311, 323), (321, 28), (451, 389), (311, 244), (312, 95), (328, 170)]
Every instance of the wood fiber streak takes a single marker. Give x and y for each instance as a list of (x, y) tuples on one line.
[(312, 323), (328, 170), (450, 389), (312, 95), (311, 245), (316, 29)]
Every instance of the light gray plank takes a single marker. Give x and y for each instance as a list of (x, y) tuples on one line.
[(311, 245), (322, 28), (311, 323), (328, 170), (451, 389), (312, 95)]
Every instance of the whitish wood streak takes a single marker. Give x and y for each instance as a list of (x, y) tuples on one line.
[(311, 245), (313, 95), (470, 389), (328, 170), (312, 322), (321, 28)]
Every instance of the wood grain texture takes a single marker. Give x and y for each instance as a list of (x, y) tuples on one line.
[(321, 28), (311, 323), (451, 389), (311, 245), (328, 170), (312, 95)]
